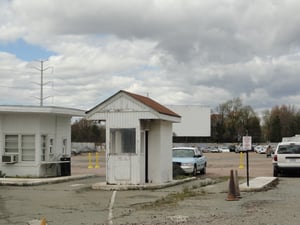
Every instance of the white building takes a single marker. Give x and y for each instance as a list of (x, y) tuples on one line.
[(295, 138), (195, 120), (35, 141), (138, 138)]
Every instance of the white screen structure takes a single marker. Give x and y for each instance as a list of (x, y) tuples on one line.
[(195, 120)]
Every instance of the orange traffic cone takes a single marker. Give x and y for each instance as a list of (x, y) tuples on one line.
[(43, 221), (231, 192), (237, 185)]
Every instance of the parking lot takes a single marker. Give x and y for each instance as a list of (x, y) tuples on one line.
[(74, 202), (80, 164), (219, 164)]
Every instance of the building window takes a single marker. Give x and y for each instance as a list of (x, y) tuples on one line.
[(11, 144), (122, 140), (43, 147), (23, 144), (64, 146), (143, 144), (51, 146), (28, 147)]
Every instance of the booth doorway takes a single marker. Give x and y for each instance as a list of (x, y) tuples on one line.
[(146, 157), (145, 152)]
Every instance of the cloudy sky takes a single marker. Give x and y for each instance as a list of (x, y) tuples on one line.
[(181, 52)]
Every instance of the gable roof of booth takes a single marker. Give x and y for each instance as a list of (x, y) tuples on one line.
[(153, 104), (146, 101)]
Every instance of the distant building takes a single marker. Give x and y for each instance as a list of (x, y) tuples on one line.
[(295, 138), (36, 141), (195, 122)]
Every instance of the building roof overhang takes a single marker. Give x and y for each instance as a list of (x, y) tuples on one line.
[(42, 110)]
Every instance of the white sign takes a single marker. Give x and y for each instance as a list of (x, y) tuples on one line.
[(247, 143)]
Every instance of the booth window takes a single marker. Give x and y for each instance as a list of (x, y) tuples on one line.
[(64, 146), (11, 144), (122, 140), (28, 147), (143, 144), (43, 147), (51, 146), (25, 144)]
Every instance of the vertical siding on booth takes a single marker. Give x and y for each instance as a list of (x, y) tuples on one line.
[(124, 169), (166, 152), (160, 152)]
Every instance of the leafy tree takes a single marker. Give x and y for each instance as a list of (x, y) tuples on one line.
[(275, 132), (281, 121), (296, 127), (266, 127), (87, 131), (217, 128), (254, 129), (235, 121)]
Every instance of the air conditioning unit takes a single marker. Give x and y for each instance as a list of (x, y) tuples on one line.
[(10, 158)]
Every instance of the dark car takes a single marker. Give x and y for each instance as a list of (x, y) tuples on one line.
[(232, 148)]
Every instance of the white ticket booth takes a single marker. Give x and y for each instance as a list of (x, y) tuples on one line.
[(36, 141), (138, 138)]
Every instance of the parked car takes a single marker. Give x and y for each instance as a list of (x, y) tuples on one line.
[(260, 149), (189, 159), (286, 158), (215, 149), (206, 149), (239, 148), (232, 148), (223, 149), (75, 151)]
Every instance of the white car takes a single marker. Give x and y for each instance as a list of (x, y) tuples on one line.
[(286, 158), (260, 149), (223, 149), (190, 160), (215, 150)]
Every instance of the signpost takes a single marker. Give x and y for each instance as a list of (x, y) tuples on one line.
[(247, 145)]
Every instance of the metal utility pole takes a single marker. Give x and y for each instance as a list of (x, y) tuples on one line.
[(42, 84), (42, 69)]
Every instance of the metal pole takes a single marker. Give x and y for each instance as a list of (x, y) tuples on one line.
[(42, 83), (247, 161)]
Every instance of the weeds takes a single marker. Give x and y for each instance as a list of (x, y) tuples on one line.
[(173, 198)]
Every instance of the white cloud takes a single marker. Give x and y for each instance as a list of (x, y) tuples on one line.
[(178, 52)]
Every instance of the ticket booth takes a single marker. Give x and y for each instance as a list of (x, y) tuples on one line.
[(36, 141), (138, 138)]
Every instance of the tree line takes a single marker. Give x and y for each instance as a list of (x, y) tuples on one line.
[(230, 121), (87, 131)]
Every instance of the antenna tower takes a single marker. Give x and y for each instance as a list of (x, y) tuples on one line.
[(42, 69)]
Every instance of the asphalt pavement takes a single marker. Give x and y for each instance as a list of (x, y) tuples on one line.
[(95, 180)]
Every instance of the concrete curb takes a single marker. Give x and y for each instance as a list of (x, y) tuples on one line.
[(255, 184), (40, 181), (259, 184), (121, 187)]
